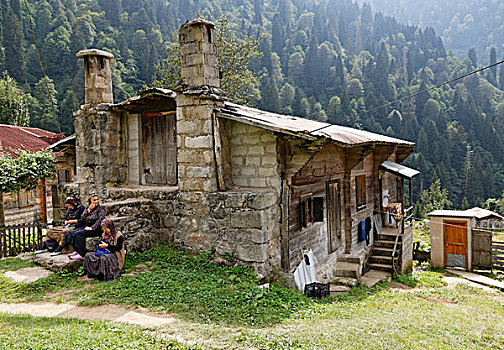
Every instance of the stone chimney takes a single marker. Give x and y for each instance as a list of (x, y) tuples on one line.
[(198, 95), (199, 65), (98, 76)]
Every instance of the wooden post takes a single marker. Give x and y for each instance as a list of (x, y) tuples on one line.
[(2, 212), (43, 201)]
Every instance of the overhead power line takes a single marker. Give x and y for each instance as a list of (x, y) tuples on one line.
[(42, 67), (425, 90)]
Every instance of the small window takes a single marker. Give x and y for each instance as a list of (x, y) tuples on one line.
[(360, 191), (305, 210), (311, 209), (318, 209)]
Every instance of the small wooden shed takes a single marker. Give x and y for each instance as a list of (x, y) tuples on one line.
[(451, 238)]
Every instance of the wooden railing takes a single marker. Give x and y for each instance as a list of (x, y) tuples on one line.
[(21, 238), (498, 255)]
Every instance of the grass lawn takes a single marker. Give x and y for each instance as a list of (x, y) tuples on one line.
[(25, 332), (221, 307)]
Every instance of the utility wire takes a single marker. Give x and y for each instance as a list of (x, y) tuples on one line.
[(422, 91), (42, 66)]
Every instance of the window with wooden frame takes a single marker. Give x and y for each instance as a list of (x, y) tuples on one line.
[(360, 191), (311, 209)]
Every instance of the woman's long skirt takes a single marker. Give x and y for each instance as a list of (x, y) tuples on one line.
[(106, 265)]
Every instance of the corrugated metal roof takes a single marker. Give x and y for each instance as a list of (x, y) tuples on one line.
[(475, 212), (63, 143), (481, 213), (13, 138), (399, 170), (302, 127), (452, 213)]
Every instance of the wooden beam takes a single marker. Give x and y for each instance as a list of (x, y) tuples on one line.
[(284, 228), (43, 201), (158, 114), (218, 153)]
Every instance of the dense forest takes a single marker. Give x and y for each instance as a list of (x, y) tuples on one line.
[(462, 24), (330, 60)]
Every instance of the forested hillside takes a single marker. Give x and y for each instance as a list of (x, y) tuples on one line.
[(462, 24), (323, 59)]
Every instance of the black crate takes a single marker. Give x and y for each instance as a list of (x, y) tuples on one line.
[(316, 290)]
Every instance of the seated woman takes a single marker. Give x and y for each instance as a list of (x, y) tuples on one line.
[(89, 225), (55, 237), (108, 265)]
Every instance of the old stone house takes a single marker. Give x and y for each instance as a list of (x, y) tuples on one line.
[(189, 167)]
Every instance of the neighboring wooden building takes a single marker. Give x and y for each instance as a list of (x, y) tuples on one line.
[(25, 206), (188, 166), (460, 238)]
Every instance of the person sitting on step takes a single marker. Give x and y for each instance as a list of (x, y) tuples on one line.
[(55, 237), (89, 226), (109, 257)]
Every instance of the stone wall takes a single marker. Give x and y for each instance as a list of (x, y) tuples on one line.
[(101, 155), (254, 160)]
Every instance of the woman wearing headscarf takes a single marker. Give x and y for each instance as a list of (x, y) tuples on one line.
[(55, 237), (107, 261), (89, 225)]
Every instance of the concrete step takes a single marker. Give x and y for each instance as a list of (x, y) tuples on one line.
[(386, 244), (380, 259), (373, 277), (353, 259), (389, 236), (381, 267), (345, 281), (381, 251), (345, 269), (338, 289)]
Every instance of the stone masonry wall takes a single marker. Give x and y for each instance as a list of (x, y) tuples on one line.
[(100, 150), (254, 161)]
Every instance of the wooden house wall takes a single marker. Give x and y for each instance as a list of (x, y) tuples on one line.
[(358, 214), (326, 165)]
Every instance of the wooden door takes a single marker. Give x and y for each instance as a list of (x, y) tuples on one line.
[(159, 150), (481, 248), (455, 240), (333, 217)]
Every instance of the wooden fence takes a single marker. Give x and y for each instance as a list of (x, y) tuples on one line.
[(21, 238)]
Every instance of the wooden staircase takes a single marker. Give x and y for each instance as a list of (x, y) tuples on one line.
[(383, 248)]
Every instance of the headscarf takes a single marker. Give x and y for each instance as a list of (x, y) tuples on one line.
[(73, 201), (109, 238)]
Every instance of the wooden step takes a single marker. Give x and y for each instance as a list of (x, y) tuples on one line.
[(387, 236)]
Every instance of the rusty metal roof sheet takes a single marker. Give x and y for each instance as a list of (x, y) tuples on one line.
[(481, 213), (303, 127), (146, 95)]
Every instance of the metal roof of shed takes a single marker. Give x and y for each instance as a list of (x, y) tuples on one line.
[(398, 169)]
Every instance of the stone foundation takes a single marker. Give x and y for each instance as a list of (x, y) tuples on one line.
[(243, 223)]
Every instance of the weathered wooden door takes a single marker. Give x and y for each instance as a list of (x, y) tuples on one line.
[(482, 248), (455, 240), (333, 216), (159, 150)]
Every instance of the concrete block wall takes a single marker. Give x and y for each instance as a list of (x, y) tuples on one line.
[(254, 161)]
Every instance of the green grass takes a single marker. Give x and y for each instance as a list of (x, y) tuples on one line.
[(26, 332), (176, 281), (11, 264), (196, 289), (421, 278), (434, 318)]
